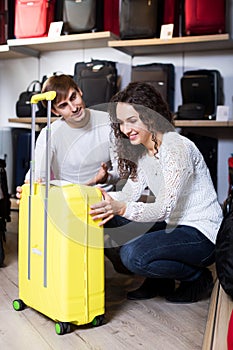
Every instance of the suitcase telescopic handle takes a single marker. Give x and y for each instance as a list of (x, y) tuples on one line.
[(48, 96)]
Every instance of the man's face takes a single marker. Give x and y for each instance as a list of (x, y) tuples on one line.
[(72, 108)]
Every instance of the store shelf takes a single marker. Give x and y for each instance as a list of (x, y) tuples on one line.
[(204, 123), (35, 46), (142, 47), (6, 53)]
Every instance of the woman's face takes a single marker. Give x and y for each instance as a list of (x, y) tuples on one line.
[(131, 125)]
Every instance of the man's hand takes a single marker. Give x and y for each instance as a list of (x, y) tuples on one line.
[(101, 177)]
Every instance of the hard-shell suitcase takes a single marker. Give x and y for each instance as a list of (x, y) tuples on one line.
[(161, 75), (3, 22), (204, 17), (61, 259), (7, 13), (33, 18), (79, 16), (111, 16), (173, 14), (205, 87), (139, 19), (97, 79)]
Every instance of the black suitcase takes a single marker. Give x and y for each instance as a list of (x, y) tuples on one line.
[(139, 19), (161, 75), (204, 87), (208, 146), (97, 79), (23, 156)]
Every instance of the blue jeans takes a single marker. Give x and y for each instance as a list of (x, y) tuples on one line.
[(180, 253)]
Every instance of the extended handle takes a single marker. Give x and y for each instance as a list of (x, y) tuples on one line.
[(49, 96)]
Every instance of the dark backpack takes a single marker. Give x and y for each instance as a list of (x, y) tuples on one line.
[(5, 206), (224, 248)]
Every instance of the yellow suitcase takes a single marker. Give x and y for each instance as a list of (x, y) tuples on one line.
[(61, 256)]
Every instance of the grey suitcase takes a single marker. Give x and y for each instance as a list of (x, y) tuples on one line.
[(79, 16)]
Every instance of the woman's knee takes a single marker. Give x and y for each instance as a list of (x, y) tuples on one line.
[(127, 255)]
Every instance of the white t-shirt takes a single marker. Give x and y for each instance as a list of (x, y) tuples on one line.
[(76, 153), (182, 186)]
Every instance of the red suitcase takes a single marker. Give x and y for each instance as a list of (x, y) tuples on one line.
[(3, 22), (173, 14), (33, 18), (204, 17), (111, 16)]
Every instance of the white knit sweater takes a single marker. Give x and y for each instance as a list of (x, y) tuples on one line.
[(182, 186)]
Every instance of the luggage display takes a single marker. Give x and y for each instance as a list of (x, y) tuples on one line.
[(97, 79), (33, 18), (6, 153), (204, 17), (161, 75), (111, 16), (204, 87), (139, 19), (61, 255), (80, 16)]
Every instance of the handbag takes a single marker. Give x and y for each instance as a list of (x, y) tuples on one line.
[(23, 105)]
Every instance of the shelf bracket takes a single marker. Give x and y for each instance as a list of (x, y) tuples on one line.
[(27, 51)]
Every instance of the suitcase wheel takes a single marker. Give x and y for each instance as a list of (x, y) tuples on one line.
[(62, 328), (18, 304), (98, 321)]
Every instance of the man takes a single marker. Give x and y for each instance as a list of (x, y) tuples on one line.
[(81, 149)]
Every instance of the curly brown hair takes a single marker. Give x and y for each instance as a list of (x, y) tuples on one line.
[(153, 112)]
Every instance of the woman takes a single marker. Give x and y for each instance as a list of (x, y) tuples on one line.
[(152, 154)]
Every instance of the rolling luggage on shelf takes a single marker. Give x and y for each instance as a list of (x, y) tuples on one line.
[(82, 16), (111, 16), (204, 17), (173, 13), (139, 19), (7, 13), (33, 18), (61, 259), (161, 75), (97, 80), (202, 87)]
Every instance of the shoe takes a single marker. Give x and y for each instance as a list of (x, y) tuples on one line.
[(113, 254), (193, 291), (151, 288)]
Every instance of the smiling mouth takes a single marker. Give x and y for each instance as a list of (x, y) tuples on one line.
[(132, 136)]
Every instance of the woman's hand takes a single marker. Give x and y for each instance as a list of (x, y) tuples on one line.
[(107, 208)]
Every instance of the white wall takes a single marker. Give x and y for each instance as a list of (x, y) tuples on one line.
[(16, 74)]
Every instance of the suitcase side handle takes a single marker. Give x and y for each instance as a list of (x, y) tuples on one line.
[(48, 96)]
